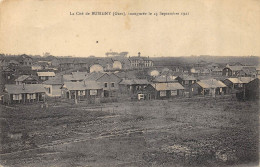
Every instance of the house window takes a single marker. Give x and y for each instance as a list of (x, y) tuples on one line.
[(112, 84), (186, 82), (81, 93), (173, 92), (31, 96), (105, 85), (17, 96), (163, 93), (93, 92), (192, 89)]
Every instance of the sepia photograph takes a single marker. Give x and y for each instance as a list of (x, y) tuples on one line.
[(133, 83)]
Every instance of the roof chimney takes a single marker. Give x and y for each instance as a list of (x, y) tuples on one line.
[(139, 54)]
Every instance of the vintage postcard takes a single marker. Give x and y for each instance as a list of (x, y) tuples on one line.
[(108, 83)]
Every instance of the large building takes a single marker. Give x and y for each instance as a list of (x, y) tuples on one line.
[(138, 62)]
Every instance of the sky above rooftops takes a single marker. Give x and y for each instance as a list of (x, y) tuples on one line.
[(224, 28)]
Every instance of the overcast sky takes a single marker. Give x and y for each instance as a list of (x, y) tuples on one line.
[(215, 27)]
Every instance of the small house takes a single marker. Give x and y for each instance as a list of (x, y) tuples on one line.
[(24, 93), (81, 90), (168, 90), (208, 87), (234, 84)]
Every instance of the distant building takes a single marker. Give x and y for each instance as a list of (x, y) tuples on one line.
[(26, 79), (43, 76), (239, 71), (216, 71), (25, 60), (138, 62)]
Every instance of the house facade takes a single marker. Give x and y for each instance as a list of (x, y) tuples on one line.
[(82, 90), (210, 87), (109, 82), (168, 90), (24, 93), (53, 86)]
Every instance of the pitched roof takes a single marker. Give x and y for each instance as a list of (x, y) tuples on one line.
[(234, 80), (235, 68), (95, 76), (82, 85), (92, 85), (26, 88), (187, 77), (47, 74), (217, 69), (57, 80), (163, 78), (134, 82), (74, 85), (126, 74), (240, 80), (246, 79), (22, 78), (211, 83), (167, 86)]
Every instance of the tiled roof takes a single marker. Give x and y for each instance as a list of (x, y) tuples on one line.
[(26, 88), (167, 86)]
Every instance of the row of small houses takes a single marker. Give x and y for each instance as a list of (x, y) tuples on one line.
[(109, 85)]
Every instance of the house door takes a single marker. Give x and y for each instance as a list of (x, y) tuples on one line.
[(68, 95), (106, 93), (149, 96)]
